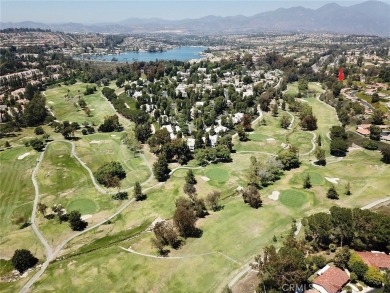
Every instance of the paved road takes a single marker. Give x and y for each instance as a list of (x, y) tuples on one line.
[(375, 203)]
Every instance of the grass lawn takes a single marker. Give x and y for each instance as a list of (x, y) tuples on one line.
[(218, 174), (233, 235), (99, 148), (16, 198), (68, 109)]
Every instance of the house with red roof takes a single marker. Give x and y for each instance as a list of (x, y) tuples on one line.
[(377, 260), (331, 281)]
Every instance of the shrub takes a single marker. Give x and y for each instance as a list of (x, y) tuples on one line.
[(370, 145), (356, 265), (120, 196), (84, 131), (39, 130), (373, 277), (353, 277)]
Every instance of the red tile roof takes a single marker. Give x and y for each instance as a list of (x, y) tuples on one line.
[(377, 260), (363, 131), (332, 280)]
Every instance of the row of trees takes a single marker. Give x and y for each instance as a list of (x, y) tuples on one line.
[(359, 229)]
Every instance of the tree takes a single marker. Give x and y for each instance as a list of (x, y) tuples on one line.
[(347, 189), (23, 259), (332, 193), (275, 110), (341, 257), (320, 156), (386, 283), (377, 117), (306, 182), (137, 193), (338, 147), (37, 144), (337, 132), (316, 262), (375, 132), (42, 208), (75, 221), (246, 122), (184, 219), (319, 140), (285, 121), (386, 154), (39, 130), (189, 189), (212, 200), (143, 132), (303, 84), (166, 234), (289, 159), (160, 168), (375, 98), (252, 197), (373, 277), (190, 178), (276, 268), (132, 143), (35, 111), (357, 265), (110, 174), (242, 135), (309, 122), (111, 123)]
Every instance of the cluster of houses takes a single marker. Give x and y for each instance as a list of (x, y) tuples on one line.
[(331, 279), (364, 129)]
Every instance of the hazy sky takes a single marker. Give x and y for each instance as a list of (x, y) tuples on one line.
[(98, 11)]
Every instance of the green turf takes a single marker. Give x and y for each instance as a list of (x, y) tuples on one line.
[(5, 267), (293, 198), (315, 178), (238, 231), (83, 205), (218, 174)]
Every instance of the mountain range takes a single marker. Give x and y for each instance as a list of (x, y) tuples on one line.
[(367, 18)]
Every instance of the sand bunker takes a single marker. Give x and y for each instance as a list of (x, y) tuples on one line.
[(86, 217), (205, 178), (284, 145), (21, 157), (50, 102), (275, 195), (95, 141), (333, 180), (113, 135), (270, 139)]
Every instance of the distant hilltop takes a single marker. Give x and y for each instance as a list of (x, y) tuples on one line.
[(367, 18)]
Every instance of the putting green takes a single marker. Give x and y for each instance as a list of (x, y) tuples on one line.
[(315, 178), (218, 174), (293, 198), (84, 205)]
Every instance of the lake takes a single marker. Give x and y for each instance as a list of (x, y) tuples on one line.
[(180, 54)]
